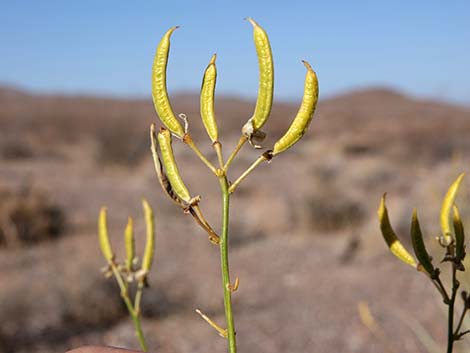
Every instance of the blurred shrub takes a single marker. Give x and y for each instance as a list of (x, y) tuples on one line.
[(331, 211), (121, 143), (13, 149), (28, 217)]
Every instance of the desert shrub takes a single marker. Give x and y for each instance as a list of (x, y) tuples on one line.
[(28, 217), (330, 211), (14, 149), (121, 143)]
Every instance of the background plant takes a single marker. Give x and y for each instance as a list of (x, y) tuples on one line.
[(452, 240), (130, 271)]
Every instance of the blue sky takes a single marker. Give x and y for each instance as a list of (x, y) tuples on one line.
[(106, 47)]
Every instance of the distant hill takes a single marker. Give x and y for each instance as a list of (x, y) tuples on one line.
[(373, 116)]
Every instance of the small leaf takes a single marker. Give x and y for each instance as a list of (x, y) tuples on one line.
[(395, 246)]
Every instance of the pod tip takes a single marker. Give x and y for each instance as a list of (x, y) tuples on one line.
[(213, 58), (252, 21), (307, 65)]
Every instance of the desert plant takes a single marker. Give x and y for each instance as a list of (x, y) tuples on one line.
[(452, 240), (168, 173), (127, 272)]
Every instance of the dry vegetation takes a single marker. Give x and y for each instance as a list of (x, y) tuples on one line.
[(302, 271)]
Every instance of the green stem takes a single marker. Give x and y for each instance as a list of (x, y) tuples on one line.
[(139, 333), (132, 312), (232, 344)]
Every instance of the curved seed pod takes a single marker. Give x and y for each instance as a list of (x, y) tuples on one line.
[(161, 176), (129, 241), (395, 246), (459, 236), (264, 101), (150, 241), (164, 141), (159, 90), (305, 114), (446, 216), (104, 237), (207, 100), (419, 247)]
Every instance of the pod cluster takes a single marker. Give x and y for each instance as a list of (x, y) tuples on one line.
[(166, 167), (452, 235), (130, 267), (252, 129)]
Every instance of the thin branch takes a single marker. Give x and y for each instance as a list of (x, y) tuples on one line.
[(237, 149), (256, 163), (187, 139)]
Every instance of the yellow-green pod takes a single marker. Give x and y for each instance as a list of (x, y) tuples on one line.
[(264, 101), (459, 236), (161, 176), (130, 244), (104, 237), (395, 246), (159, 90), (446, 217), (150, 241), (305, 114), (172, 172), (207, 100), (419, 247)]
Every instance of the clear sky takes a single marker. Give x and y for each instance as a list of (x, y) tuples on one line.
[(106, 47)]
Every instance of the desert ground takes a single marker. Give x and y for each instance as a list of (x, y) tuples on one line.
[(304, 239)]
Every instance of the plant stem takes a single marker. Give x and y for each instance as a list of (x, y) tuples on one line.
[(252, 167), (237, 149), (232, 344), (459, 325), (440, 287), (187, 139), (450, 323), (132, 312), (218, 149)]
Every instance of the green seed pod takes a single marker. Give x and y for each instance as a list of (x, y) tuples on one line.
[(207, 100), (419, 247), (162, 177), (159, 90), (150, 241), (104, 237), (459, 236), (446, 216), (130, 244), (395, 246), (164, 141), (305, 114), (264, 101)]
